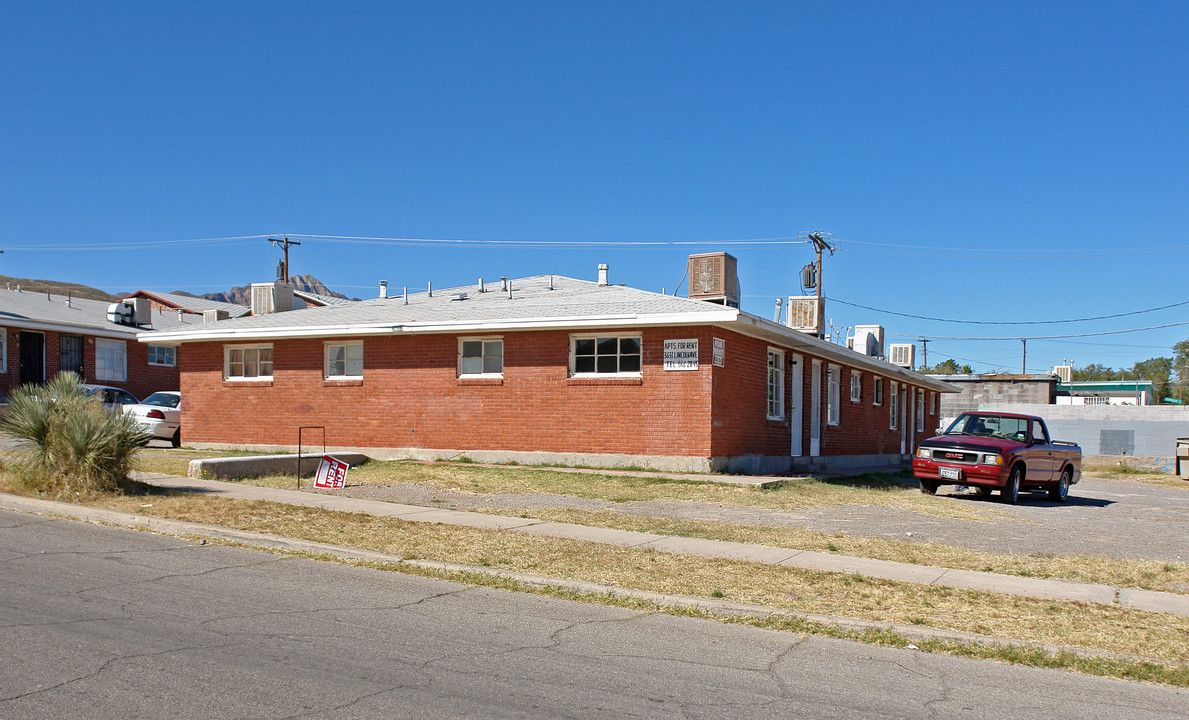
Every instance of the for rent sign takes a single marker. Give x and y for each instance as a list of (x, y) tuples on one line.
[(681, 354), (332, 473)]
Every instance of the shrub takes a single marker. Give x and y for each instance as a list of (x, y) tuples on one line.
[(79, 447)]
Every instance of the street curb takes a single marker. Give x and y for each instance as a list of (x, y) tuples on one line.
[(713, 607)]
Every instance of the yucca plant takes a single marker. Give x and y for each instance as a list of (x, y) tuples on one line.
[(78, 447)]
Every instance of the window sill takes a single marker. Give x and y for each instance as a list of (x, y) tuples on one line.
[(232, 382), (604, 380), (480, 380), (342, 382)]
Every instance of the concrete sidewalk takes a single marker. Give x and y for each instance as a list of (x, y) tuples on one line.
[(902, 572)]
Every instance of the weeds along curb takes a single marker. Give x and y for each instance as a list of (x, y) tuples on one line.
[(708, 607)]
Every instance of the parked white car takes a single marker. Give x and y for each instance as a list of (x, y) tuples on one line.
[(160, 414)]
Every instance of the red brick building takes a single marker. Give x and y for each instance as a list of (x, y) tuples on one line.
[(42, 334), (549, 369)]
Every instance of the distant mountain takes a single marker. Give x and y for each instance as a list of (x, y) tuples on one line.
[(61, 288), (243, 295)]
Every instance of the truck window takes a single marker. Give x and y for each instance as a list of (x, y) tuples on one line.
[(1039, 435)]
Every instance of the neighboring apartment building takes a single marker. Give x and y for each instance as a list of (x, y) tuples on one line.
[(550, 369), (1107, 392), (42, 334)]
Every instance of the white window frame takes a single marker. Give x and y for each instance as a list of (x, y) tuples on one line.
[(833, 395), (606, 336), (774, 382), (350, 347), (483, 357), (229, 349), (894, 406), (856, 386), (171, 355), (920, 410), (877, 391), (117, 369)]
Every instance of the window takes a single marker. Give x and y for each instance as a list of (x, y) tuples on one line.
[(856, 386), (480, 356), (877, 391), (920, 410), (343, 360), (1039, 435), (894, 407), (775, 384), (248, 362), (111, 360), (163, 355), (3, 349), (833, 394), (607, 355)]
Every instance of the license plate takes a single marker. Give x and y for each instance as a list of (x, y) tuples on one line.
[(950, 473)]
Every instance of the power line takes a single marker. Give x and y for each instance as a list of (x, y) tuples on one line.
[(1009, 322), (1049, 337)]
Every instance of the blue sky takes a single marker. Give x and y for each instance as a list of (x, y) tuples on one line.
[(976, 162)]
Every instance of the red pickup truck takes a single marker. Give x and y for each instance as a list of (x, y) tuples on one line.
[(998, 451)]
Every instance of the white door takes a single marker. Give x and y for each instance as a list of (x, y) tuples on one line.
[(795, 411), (815, 409), (912, 423), (903, 428)]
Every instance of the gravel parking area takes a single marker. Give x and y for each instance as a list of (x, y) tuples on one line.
[(1112, 518)]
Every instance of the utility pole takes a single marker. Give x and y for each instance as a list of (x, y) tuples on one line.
[(819, 244), (285, 242), (925, 353), (1024, 361)]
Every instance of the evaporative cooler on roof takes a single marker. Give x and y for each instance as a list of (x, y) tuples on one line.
[(713, 277)]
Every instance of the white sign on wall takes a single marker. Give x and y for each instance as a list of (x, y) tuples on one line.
[(720, 351), (681, 354)]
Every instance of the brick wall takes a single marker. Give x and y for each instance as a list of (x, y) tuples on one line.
[(411, 396)]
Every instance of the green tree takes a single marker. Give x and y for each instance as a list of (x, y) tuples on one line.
[(947, 367), (1094, 371), (1158, 370)]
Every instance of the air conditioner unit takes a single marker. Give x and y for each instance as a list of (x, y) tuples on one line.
[(868, 340), (807, 313), (142, 310), (902, 354), (1065, 372), (121, 314), (214, 315), (713, 277), (271, 297)]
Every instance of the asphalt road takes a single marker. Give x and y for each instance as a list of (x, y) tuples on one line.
[(108, 623)]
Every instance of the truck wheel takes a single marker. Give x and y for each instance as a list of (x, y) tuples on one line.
[(1011, 491), (1060, 491), (929, 487)]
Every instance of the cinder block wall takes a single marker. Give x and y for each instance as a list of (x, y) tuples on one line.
[(1112, 429)]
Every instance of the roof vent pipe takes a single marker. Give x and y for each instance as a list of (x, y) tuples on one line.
[(509, 291), (603, 274), (383, 288), (504, 279), (550, 282), (779, 306), (406, 294), (431, 289), (482, 287)]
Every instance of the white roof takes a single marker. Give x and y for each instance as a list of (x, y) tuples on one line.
[(63, 313), (533, 303)]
